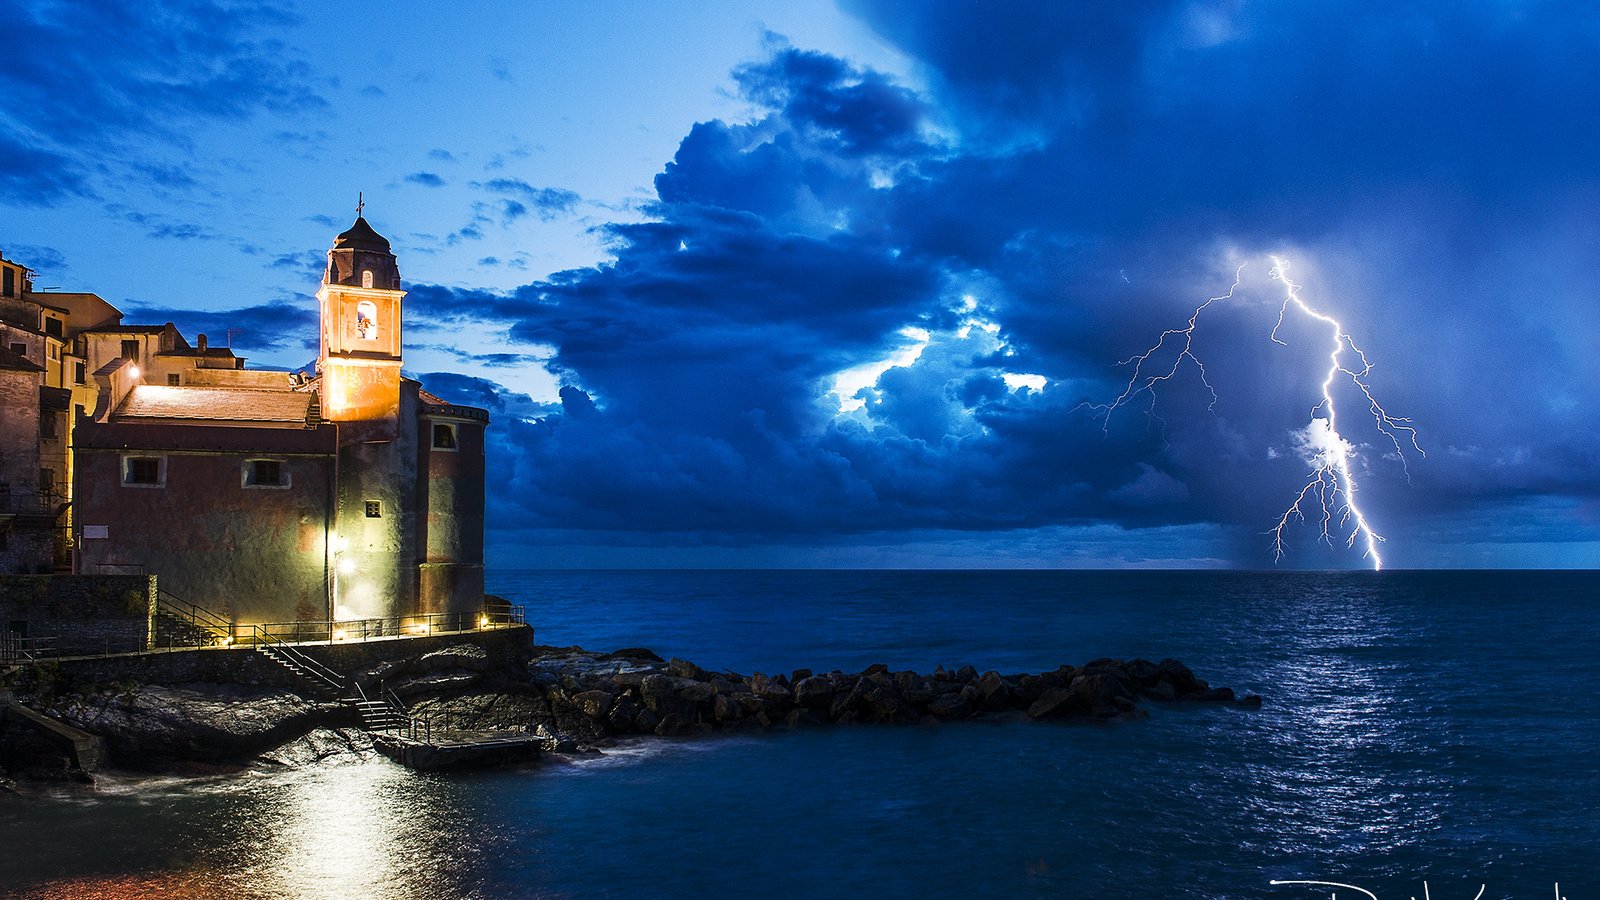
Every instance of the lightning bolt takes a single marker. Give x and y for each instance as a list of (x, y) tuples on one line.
[(1329, 494)]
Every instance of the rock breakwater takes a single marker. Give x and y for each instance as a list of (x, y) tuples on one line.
[(634, 692)]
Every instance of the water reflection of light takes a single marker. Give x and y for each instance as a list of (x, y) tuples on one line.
[(372, 830), (1346, 764)]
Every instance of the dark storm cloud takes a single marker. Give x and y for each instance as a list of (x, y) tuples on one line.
[(1087, 174), (278, 324), (479, 392), (87, 84)]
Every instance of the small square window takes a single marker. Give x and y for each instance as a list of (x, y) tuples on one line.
[(144, 470), (20, 349), (373, 510), (173, 380), (444, 437), (265, 473), (130, 350), (52, 327)]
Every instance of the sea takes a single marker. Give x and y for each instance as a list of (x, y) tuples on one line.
[(1424, 735)]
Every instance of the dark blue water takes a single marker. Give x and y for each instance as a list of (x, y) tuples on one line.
[(1419, 727)]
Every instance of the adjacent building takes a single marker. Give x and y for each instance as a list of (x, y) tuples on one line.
[(265, 497)]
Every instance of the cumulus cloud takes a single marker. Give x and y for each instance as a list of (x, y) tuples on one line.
[(1042, 212)]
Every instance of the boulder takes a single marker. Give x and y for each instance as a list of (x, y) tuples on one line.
[(813, 692), (996, 693), (1056, 703), (456, 656), (595, 704), (956, 705), (624, 711), (1179, 676), (1100, 693), (685, 669)]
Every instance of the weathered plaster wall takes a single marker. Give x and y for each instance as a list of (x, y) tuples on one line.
[(377, 576), (250, 554), (26, 545), (453, 491)]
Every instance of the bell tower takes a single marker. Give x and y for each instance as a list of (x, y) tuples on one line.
[(360, 348)]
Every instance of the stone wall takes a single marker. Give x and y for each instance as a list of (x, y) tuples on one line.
[(84, 613), (509, 647)]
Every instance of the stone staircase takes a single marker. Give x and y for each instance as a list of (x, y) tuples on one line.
[(169, 630), (385, 713), (178, 623)]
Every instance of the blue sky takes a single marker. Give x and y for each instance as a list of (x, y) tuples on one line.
[(816, 284)]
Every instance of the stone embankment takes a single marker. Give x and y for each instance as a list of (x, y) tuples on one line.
[(569, 698)]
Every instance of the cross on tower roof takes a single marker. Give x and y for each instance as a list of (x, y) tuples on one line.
[(360, 204)]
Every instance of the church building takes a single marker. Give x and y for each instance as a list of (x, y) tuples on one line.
[(272, 497)]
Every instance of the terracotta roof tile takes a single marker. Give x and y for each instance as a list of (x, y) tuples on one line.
[(153, 401)]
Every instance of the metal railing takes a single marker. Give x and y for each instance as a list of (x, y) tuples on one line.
[(203, 623), (16, 648), (365, 629)]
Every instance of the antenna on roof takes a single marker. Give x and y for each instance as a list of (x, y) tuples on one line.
[(231, 333), (360, 204)]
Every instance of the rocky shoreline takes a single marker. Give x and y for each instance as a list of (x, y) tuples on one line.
[(569, 700)]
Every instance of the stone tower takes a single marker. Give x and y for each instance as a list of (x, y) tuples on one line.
[(360, 350), (361, 392)]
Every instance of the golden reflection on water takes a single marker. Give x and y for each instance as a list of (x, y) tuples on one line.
[(363, 830)]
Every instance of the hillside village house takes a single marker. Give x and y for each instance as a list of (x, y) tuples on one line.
[(260, 496)]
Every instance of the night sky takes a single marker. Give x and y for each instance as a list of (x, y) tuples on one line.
[(796, 284)]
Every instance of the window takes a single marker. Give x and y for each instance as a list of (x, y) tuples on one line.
[(47, 424), (77, 373), (52, 327), (372, 509), (173, 380), (366, 278), (144, 471), (130, 350), (20, 349), (444, 436), (47, 481), (367, 320), (11, 281), (264, 473), (52, 351)]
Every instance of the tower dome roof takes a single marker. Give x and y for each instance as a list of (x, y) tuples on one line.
[(360, 236)]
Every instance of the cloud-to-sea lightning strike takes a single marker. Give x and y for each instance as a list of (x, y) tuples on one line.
[(1330, 490)]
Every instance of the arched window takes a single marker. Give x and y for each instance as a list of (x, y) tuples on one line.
[(367, 318), (366, 278)]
